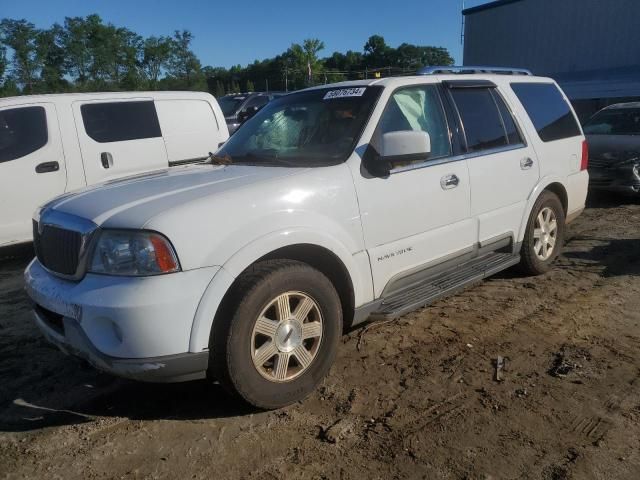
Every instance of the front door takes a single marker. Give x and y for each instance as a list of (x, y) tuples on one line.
[(420, 214), (32, 166), (119, 138)]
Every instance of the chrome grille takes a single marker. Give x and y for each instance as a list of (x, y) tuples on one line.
[(57, 249)]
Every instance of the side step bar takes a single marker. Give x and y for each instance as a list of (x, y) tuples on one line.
[(443, 284)]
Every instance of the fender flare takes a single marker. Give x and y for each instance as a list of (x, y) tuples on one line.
[(258, 248), (533, 196)]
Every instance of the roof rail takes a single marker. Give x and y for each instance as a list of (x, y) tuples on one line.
[(464, 69)]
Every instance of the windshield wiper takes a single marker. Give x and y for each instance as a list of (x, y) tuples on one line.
[(220, 159)]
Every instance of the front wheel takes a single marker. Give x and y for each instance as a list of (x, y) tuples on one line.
[(544, 235), (281, 335)]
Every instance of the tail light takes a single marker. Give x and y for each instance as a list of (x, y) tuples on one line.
[(584, 163)]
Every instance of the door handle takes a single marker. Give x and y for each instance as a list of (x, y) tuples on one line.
[(526, 163), (449, 181), (106, 159), (47, 167)]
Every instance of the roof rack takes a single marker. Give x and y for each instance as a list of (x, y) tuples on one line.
[(464, 69)]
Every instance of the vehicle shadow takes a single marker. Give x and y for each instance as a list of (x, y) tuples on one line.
[(597, 199), (617, 257), (118, 398)]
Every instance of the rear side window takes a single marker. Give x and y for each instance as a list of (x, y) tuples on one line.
[(487, 122), (22, 131), (120, 121), (548, 110)]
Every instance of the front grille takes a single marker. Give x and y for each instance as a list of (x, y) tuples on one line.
[(599, 163), (57, 249)]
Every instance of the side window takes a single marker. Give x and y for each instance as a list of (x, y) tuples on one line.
[(259, 101), (483, 124), (513, 134), (418, 108), (22, 131), (120, 121), (548, 110)]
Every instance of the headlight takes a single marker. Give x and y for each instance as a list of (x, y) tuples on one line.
[(133, 253)]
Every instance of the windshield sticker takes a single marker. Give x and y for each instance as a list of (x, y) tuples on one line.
[(345, 92)]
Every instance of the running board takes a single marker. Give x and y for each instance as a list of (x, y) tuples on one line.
[(443, 284)]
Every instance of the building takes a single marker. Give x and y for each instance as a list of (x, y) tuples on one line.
[(590, 47)]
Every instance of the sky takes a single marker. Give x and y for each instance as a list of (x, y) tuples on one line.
[(232, 32)]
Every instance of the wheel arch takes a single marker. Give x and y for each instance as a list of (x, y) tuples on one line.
[(317, 250), (552, 184)]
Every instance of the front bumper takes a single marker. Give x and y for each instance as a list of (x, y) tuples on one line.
[(619, 180), (132, 327)]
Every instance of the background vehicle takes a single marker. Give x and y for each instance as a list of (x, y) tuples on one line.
[(239, 107), (613, 136), (52, 144), (333, 205)]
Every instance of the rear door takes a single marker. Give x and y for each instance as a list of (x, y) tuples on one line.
[(190, 129), (503, 167), (119, 138), (32, 166)]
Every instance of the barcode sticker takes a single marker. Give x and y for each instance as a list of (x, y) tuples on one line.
[(345, 92)]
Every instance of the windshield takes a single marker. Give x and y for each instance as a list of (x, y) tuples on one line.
[(310, 128), (229, 104), (620, 121)]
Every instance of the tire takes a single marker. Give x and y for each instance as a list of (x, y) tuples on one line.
[(241, 345), (535, 258)]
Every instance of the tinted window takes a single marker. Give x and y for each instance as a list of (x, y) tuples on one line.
[(120, 121), (418, 108), (259, 101), (619, 121), (548, 110), (229, 104), (22, 131), (482, 122), (513, 135)]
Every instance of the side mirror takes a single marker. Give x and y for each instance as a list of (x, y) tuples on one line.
[(405, 146), (247, 113)]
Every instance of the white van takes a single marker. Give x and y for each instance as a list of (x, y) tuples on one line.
[(52, 144)]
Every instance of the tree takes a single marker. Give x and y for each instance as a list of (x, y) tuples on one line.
[(76, 41), (183, 63), (155, 57), (250, 86), (376, 52), (3, 63), (20, 36), (51, 55)]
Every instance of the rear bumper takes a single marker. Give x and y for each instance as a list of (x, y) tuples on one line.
[(624, 180)]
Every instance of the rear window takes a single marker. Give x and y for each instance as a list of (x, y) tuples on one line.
[(618, 121), (120, 121), (487, 122), (548, 110), (22, 131)]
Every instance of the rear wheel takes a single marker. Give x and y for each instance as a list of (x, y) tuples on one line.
[(544, 235), (280, 336)]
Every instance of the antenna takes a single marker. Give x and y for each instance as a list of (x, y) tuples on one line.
[(462, 25)]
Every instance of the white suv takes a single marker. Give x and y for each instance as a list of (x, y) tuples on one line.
[(331, 206)]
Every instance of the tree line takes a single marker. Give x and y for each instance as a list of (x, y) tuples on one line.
[(87, 54)]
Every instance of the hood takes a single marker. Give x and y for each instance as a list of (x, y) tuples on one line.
[(608, 150), (131, 202)]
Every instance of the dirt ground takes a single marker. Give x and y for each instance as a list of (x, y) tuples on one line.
[(413, 399)]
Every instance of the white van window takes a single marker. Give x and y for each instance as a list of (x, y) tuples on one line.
[(120, 121), (22, 131), (189, 128)]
